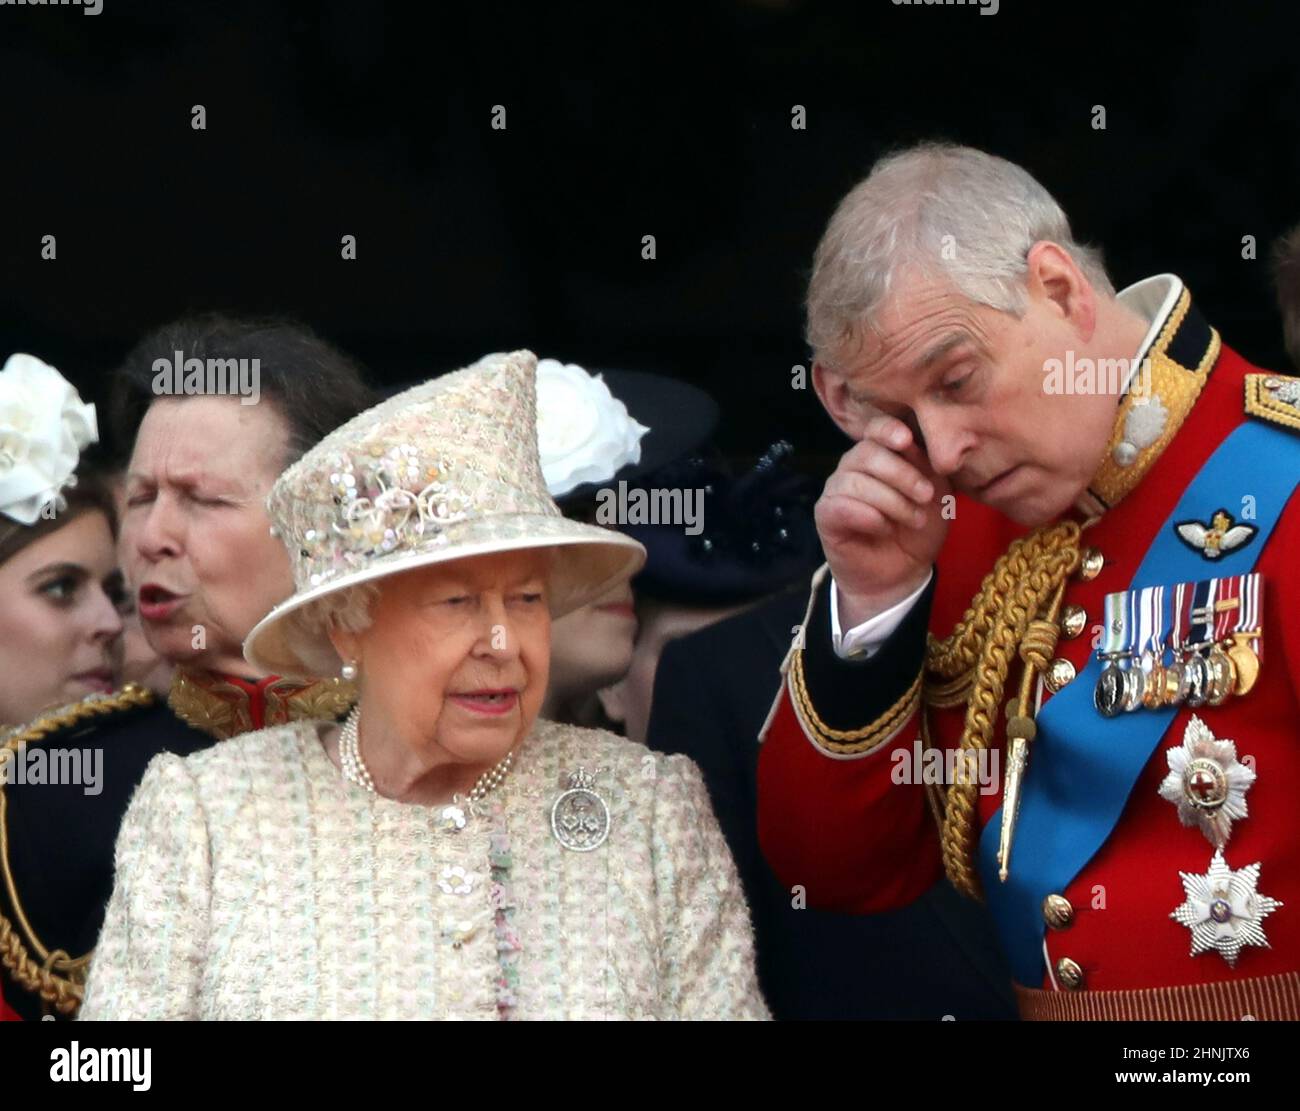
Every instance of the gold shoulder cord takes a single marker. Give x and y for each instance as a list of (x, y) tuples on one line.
[(1015, 612), (57, 978), (972, 664)]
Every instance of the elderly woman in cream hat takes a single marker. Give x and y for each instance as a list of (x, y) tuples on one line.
[(443, 853)]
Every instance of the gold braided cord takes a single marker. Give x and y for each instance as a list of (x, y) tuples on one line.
[(60, 992), (1027, 579), (846, 742), (954, 692), (51, 974)]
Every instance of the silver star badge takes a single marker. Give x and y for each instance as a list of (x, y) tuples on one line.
[(1207, 782), (1223, 910)]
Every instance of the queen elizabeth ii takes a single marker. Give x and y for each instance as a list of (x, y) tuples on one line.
[(443, 853)]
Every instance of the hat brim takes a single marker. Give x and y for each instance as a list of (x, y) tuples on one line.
[(589, 561)]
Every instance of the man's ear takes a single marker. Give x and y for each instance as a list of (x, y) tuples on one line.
[(1053, 277), (833, 392)]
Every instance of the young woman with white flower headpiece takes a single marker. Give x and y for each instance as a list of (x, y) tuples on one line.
[(443, 853), (59, 584), (196, 549), (60, 589)]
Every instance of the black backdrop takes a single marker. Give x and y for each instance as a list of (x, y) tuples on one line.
[(334, 117)]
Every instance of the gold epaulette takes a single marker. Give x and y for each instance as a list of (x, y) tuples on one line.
[(52, 974), (1274, 398)]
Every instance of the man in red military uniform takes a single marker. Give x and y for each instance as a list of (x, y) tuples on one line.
[(1055, 652)]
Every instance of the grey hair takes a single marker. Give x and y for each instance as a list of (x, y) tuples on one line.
[(946, 211), (349, 610)]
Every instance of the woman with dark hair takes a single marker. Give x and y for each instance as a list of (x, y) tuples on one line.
[(200, 561), (60, 588)]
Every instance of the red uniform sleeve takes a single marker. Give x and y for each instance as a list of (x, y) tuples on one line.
[(847, 821)]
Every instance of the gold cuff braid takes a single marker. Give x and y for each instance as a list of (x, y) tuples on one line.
[(849, 742)]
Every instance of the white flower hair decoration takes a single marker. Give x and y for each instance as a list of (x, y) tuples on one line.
[(44, 425), (584, 433)]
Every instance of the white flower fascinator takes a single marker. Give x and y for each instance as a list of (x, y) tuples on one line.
[(584, 433), (44, 425)]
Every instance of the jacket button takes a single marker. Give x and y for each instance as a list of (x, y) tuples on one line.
[(1059, 673), (1091, 561), (1057, 911), (1074, 619), (1068, 974)]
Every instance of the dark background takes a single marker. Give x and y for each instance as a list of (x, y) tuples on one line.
[(333, 117)]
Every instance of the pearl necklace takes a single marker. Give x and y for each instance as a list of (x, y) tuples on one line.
[(355, 770)]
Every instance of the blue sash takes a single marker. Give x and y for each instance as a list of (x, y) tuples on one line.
[(1082, 766)]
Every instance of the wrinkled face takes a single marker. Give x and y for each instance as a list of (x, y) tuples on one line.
[(196, 544), (971, 381), (592, 646), (59, 624), (454, 663)]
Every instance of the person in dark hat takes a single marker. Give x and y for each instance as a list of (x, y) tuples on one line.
[(717, 545)]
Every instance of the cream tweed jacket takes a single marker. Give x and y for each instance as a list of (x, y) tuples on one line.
[(255, 882)]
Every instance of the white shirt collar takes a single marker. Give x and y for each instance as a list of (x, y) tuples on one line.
[(1153, 299)]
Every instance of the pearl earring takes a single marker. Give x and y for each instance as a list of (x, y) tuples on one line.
[(349, 671)]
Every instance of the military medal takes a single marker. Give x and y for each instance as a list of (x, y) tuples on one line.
[(1134, 676), (1214, 644), (1206, 782), (1244, 660), (1174, 671), (579, 817), (1241, 640), (1109, 694), (1197, 676), (1222, 676), (1224, 910), (1151, 636)]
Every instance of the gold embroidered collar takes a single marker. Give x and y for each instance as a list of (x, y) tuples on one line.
[(1170, 376), (225, 706)]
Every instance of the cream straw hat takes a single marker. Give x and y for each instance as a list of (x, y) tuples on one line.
[(445, 470)]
